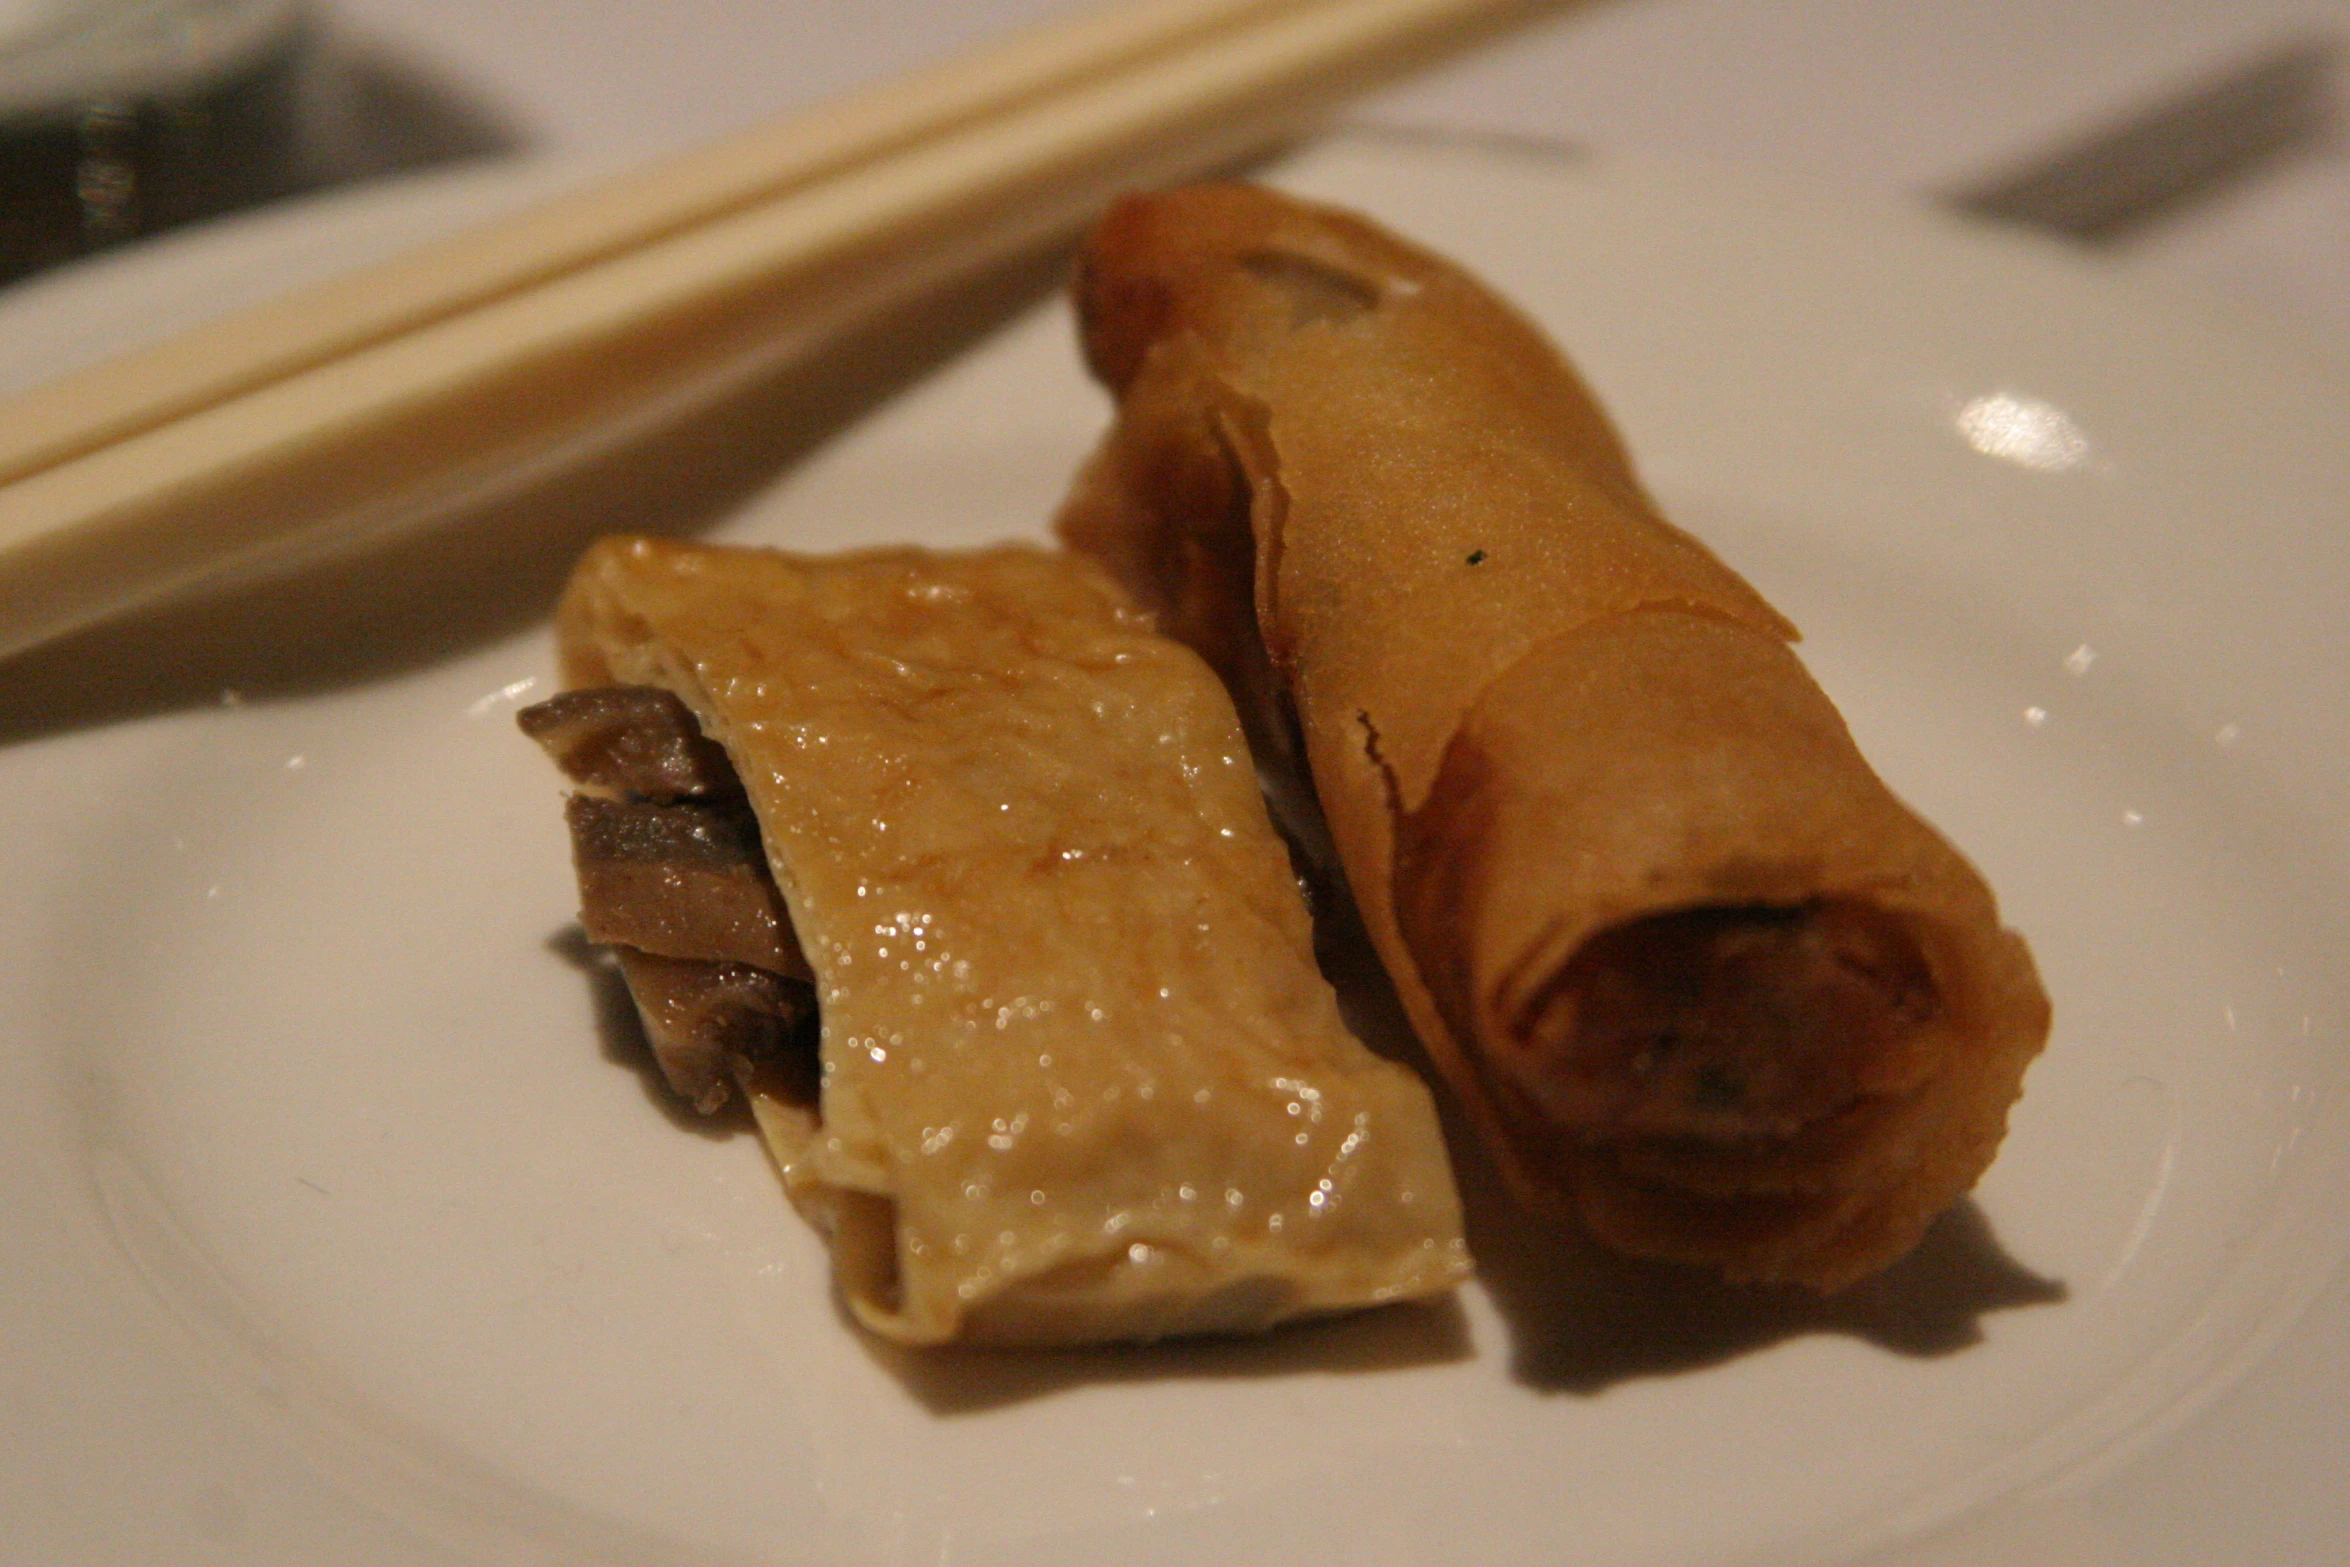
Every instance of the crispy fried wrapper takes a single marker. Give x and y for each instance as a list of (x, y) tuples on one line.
[(1080, 1078), (1699, 979)]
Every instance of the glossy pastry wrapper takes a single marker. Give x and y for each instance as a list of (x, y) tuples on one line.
[(1081, 1079), (1535, 716)]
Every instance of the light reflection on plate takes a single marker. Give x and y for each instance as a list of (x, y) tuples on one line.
[(340, 1237)]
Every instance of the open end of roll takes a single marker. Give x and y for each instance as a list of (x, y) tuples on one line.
[(1741, 1086), (1730, 1024)]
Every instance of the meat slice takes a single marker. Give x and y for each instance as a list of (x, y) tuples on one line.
[(680, 881), (631, 742), (712, 1025)]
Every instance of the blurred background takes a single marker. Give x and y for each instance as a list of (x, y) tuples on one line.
[(2196, 139)]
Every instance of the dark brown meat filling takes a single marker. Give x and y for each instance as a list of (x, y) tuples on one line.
[(1731, 1025), (673, 878), (712, 1025), (631, 742), (682, 881)]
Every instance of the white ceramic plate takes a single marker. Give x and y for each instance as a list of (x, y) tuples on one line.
[(334, 1235)]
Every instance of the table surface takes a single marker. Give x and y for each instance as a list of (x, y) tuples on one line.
[(1910, 97)]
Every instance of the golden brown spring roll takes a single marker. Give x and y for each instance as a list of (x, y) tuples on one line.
[(1080, 1078), (1697, 976)]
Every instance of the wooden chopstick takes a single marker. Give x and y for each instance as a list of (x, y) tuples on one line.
[(120, 398), (514, 351)]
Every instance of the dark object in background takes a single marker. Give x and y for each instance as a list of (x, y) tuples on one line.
[(2166, 155), (120, 118)]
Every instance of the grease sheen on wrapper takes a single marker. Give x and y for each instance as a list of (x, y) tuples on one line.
[(1698, 978), (1080, 1077)]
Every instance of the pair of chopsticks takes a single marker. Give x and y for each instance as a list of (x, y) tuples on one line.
[(392, 396)]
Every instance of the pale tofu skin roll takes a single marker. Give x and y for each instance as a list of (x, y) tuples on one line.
[(1080, 1077), (1701, 982)]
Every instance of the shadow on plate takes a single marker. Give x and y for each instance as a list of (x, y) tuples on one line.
[(1583, 1319), (960, 1381), (416, 600)]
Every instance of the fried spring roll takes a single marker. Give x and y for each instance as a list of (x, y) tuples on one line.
[(1080, 1078), (1699, 979)]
